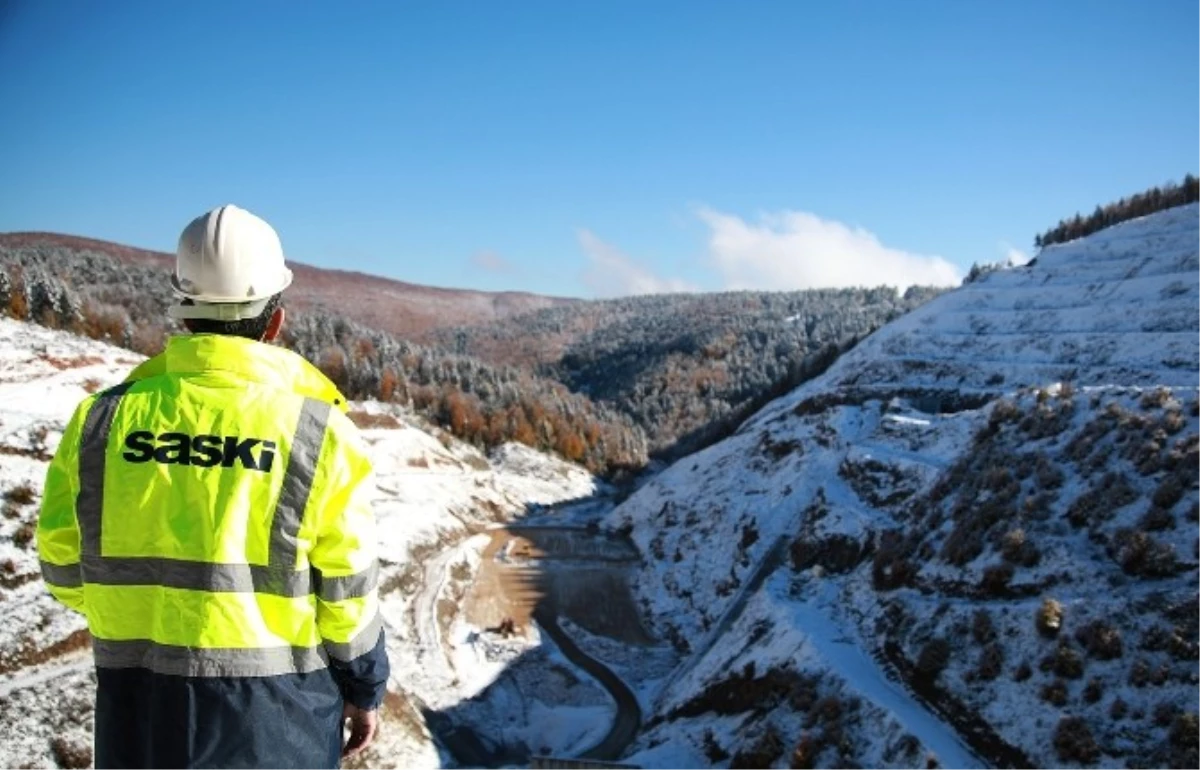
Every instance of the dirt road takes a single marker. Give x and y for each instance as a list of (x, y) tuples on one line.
[(629, 713), (539, 574)]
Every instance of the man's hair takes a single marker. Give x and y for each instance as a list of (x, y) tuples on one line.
[(250, 328)]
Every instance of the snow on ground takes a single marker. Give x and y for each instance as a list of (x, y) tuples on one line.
[(902, 466), (643, 668), (43, 374), (880, 712), (433, 495), (542, 705), (852, 578), (1118, 307), (49, 724), (844, 654)]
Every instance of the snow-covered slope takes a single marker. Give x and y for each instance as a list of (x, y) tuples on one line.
[(869, 572), (973, 541), (433, 495), (1118, 307)]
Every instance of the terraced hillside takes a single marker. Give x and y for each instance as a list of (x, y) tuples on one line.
[(989, 510), (1117, 308)]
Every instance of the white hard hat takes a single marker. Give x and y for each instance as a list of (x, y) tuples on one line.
[(229, 264)]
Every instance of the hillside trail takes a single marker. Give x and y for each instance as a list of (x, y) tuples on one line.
[(860, 671), (47, 672), (432, 651), (764, 569), (816, 615), (864, 675)]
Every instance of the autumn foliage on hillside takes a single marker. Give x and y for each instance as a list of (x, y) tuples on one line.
[(479, 403), (688, 368), (602, 383), (95, 295)]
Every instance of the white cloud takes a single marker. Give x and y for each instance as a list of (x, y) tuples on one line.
[(1014, 256), (799, 250), (611, 273), (492, 262)]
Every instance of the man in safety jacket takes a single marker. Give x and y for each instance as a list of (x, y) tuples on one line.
[(211, 518)]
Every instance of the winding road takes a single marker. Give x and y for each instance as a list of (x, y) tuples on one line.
[(629, 713), (764, 569)]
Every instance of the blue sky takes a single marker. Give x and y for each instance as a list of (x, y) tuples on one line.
[(597, 148)]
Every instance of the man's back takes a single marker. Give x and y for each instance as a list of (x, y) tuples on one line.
[(211, 517)]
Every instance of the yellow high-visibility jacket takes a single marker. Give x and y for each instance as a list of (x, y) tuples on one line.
[(211, 517)]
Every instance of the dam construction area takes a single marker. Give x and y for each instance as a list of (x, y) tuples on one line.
[(548, 611)]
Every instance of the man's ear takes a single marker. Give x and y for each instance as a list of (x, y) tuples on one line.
[(274, 326)]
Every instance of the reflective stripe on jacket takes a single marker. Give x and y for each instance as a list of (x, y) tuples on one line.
[(211, 517)]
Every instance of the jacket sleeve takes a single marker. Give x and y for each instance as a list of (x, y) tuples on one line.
[(58, 527), (344, 561)]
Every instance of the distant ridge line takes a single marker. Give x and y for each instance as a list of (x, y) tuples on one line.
[(21, 238)]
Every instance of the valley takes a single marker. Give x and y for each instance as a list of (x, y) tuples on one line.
[(970, 541), (615, 384), (938, 496)]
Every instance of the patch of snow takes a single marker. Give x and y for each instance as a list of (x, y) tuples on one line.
[(433, 496), (905, 420)]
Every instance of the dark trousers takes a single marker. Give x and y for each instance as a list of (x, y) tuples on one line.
[(145, 719)]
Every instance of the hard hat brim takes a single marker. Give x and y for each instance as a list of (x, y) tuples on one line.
[(218, 311)]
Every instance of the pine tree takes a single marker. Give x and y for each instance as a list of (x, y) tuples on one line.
[(1142, 204), (6, 291)]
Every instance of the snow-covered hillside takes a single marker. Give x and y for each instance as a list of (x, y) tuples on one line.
[(1118, 308), (435, 496), (973, 541), (974, 538)]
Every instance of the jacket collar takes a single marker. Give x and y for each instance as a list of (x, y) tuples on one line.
[(250, 360)]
